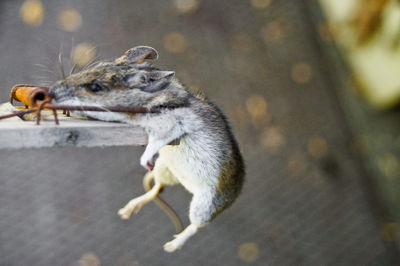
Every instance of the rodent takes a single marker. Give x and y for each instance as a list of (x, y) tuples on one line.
[(207, 161)]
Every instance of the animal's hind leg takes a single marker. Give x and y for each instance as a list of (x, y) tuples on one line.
[(137, 203), (203, 208), (181, 238)]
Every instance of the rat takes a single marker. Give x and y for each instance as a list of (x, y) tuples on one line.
[(205, 159)]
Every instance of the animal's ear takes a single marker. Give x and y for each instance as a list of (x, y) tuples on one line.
[(138, 79), (159, 80), (137, 55)]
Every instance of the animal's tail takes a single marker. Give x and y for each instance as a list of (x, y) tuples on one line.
[(162, 204)]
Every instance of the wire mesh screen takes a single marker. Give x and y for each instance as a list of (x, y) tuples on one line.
[(303, 202)]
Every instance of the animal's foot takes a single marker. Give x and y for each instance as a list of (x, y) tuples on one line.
[(133, 206), (124, 214), (180, 239), (173, 245)]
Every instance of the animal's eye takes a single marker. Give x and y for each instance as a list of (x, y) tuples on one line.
[(95, 87)]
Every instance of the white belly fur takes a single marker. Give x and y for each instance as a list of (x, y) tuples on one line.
[(194, 176)]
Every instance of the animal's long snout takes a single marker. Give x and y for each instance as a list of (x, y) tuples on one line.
[(59, 91)]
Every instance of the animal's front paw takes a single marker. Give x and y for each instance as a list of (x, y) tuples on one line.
[(147, 163), (173, 245)]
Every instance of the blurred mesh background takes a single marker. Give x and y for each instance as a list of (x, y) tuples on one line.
[(305, 201)]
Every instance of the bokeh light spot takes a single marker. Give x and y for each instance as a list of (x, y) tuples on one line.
[(248, 251), (257, 107), (297, 163), (301, 73), (83, 53), (390, 231), (186, 6), (89, 259), (260, 4), (272, 139), (317, 147), (175, 43), (272, 32), (32, 12), (388, 164), (69, 19)]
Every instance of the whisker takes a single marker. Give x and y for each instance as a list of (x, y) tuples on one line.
[(90, 50), (61, 66), (73, 69), (41, 65), (46, 69), (46, 83), (105, 109), (92, 63), (43, 79)]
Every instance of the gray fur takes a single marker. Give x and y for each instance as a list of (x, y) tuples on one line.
[(207, 162)]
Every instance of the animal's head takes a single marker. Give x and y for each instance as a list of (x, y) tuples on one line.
[(115, 83)]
